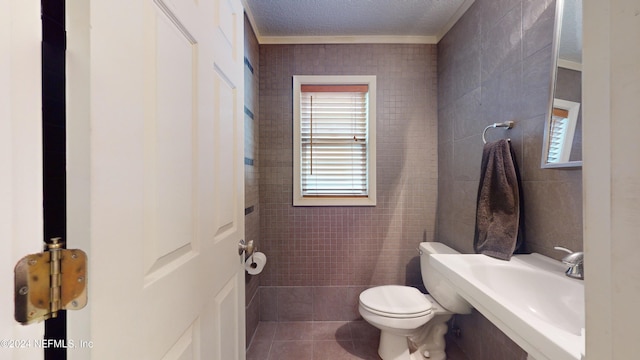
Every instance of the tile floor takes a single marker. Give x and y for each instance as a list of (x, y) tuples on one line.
[(321, 340)]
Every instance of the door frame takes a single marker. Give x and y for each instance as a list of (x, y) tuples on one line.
[(54, 148)]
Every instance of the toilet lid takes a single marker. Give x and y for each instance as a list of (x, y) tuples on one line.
[(395, 300)]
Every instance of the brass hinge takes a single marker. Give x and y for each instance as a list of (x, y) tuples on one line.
[(50, 281)]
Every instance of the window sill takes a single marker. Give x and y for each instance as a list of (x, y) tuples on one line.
[(334, 201)]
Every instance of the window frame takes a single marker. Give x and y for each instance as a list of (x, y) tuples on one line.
[(334, 200), (571, 109)]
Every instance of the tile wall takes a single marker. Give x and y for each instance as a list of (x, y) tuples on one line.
[(494, 65), (320, 258), (251, 173)]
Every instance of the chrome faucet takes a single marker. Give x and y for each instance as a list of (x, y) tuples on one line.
[(575, 261)]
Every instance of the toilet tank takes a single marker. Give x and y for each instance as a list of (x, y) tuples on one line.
[(436, 284)]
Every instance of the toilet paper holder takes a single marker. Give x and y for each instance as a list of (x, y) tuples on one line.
[(245, 247), (255, 263)]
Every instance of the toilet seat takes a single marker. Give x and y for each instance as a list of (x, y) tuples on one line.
[(395, 301)]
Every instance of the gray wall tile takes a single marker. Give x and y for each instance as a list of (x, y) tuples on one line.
[(351, 246), (515, 75)]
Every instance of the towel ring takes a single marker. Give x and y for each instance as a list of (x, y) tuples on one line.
[(506, 124)]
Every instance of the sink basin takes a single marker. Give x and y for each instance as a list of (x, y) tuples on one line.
[(549, 297), (529, 298)]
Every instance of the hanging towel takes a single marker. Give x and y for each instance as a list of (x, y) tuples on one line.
[(499, 210)]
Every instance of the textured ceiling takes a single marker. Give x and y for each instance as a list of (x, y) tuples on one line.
[(356, 18), (571, 32)]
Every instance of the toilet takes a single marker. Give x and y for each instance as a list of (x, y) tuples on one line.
[(404, 315)]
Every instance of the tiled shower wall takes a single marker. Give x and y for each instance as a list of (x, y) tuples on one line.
[(493, 66), (251, 173), (320, 258)]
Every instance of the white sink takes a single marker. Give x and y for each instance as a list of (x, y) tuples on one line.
[(529, 298)]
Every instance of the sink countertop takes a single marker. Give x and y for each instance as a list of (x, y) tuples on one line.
[(529, 298)]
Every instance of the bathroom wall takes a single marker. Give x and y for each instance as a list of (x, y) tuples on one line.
[(495, 65), (251, 173), (321, 258)]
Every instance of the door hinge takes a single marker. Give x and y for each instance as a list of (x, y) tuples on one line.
[(50, 281)]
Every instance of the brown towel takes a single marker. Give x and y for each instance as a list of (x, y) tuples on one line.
[(498, 212)]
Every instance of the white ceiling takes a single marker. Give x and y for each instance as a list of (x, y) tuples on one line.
[(349, 21), (571, 33)]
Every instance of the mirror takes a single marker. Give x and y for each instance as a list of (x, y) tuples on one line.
[(562, 145)]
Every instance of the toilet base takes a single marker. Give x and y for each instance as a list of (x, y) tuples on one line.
[(393, 347), (434, 355), (429, 339)]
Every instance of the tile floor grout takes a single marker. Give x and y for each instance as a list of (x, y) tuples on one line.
[(319, 340), (314, 340)]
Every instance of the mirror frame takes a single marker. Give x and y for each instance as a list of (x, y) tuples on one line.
[(555, 46)]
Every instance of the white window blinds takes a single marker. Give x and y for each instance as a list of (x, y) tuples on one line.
[(334, 140), (558, 130), (559, 145)]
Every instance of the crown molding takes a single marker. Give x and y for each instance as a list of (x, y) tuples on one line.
[(571, 65), (454, 19), (377, 39)]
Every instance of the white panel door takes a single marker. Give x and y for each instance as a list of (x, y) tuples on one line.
[(155, 177), (21, 222)]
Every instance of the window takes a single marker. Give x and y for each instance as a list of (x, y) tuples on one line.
[(334, 140), (563, 124)]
